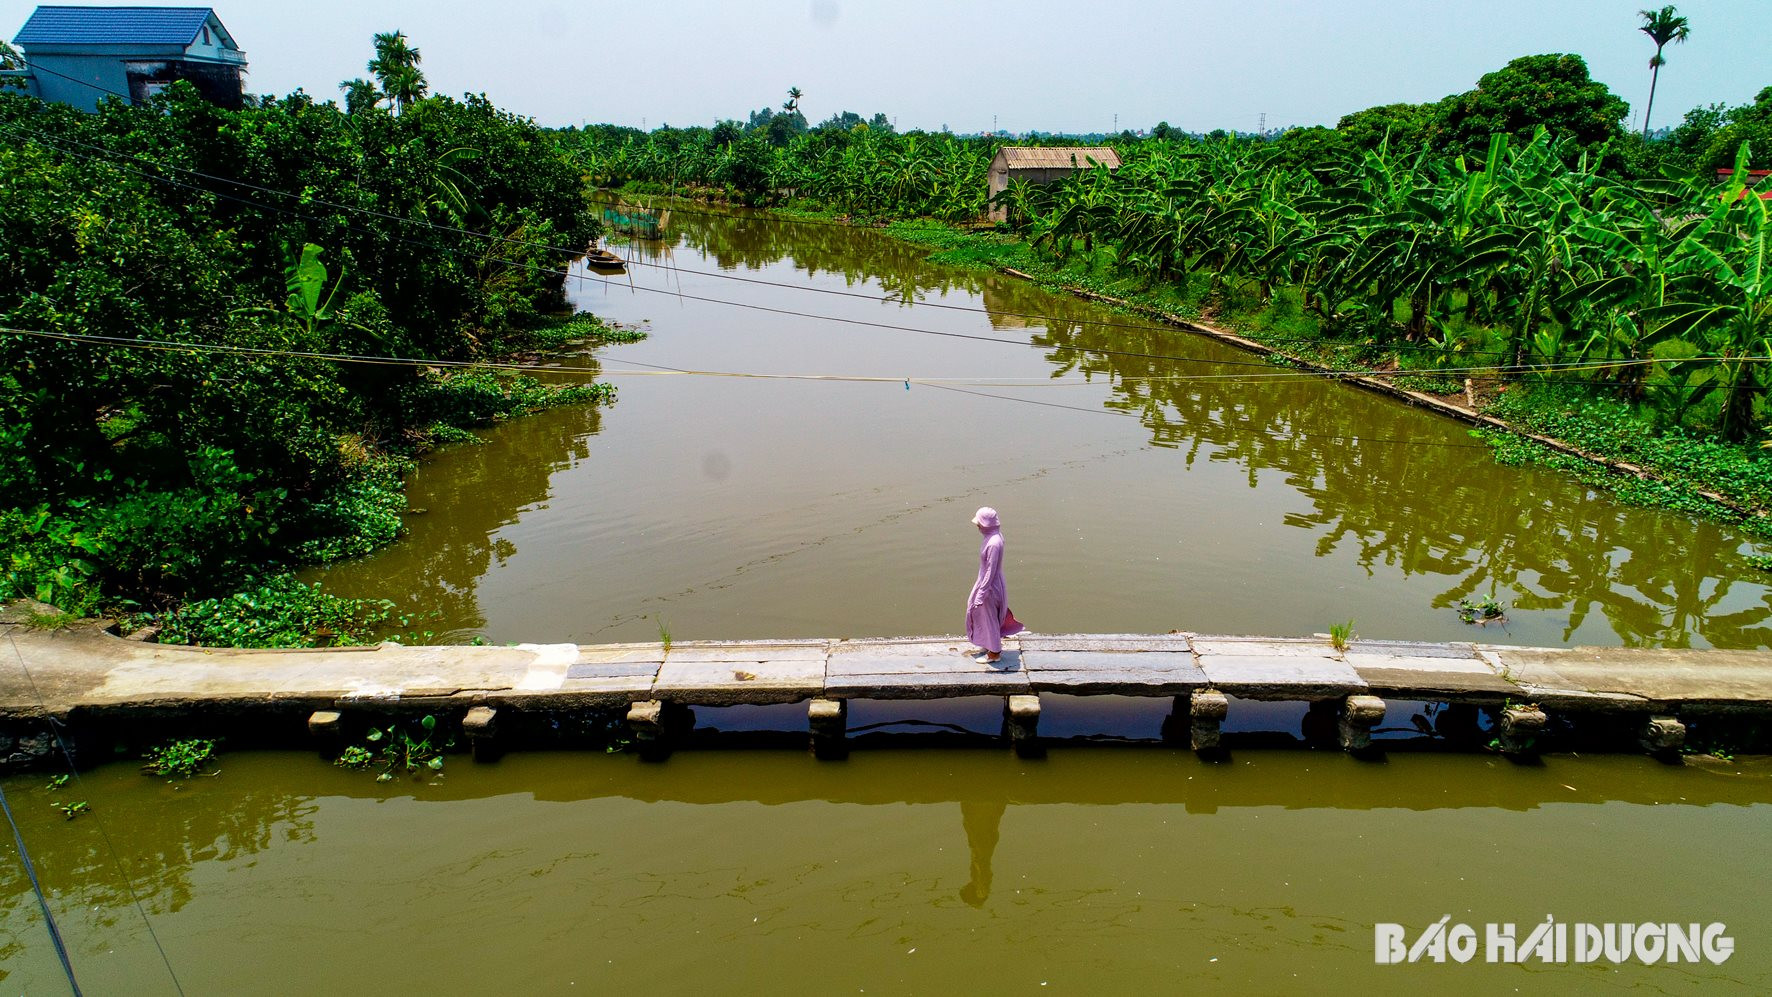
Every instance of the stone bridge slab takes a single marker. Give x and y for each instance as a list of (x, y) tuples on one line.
[(919, 669), (1277, 669), (1121, 673)]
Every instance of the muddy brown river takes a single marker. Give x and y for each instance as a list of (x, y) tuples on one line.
[(1095, 871), (1138, 493)]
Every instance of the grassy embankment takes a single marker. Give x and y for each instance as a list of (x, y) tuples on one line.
[(367, 512)]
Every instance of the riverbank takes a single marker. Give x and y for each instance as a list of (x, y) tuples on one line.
[(365, 509)]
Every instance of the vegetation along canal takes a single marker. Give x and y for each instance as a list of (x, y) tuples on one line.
[(1150, 480)]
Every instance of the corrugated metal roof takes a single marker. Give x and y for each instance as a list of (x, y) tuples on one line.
[(1020, 157), (112, 26)]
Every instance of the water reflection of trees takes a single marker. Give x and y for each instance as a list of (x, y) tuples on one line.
[(756, 241), (1375, 481), (469, 494), (160, 842)]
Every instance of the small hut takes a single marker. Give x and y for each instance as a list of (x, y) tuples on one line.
[(1038, 165)]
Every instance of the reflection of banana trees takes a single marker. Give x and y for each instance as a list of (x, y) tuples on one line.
[(165, 845), (1432, 511), (758, 241), (472, 493)]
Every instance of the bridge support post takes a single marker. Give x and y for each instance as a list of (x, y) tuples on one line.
[(828, 720), (327, 730), (1022, 716), (1357, 717), (1661, 735), (1206, 713), (1519, 729), (646, 728), (481, 728)]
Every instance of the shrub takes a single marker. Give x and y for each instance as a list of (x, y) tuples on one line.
[(277, 612)]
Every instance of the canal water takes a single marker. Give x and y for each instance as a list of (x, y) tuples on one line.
[(1164, 482), (1139, 493), (898, 871)]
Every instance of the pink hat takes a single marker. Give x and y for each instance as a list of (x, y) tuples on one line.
[(985, 517)]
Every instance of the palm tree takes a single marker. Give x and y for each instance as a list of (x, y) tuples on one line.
[(1662, 26), (395, 66), (793, 102)]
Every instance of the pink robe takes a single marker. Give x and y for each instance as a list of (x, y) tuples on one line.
[(988, 619)]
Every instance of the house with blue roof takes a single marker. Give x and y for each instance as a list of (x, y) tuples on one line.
[(81, 55)]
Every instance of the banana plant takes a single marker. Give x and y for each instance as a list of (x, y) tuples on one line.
[(1718, 298)]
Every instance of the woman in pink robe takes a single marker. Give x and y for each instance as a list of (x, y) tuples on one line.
[(988, 619)]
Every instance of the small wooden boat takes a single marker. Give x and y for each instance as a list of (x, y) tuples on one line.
[(604, 261)]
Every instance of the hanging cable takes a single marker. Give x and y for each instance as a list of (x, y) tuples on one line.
[(55, 933), (1281, 375)]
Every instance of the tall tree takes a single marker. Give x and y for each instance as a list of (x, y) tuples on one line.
[(395, 67), (10, 58), (793, 101), (1550, 91), (1662, 26)]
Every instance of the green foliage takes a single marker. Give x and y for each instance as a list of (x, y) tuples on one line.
[(278, 612), (1484, 610), (1553, 92), (395, 68), (1683, 462), (148, 476), (72, 810), (395, 750), (355, 757), (50, 621), (355, 516), (1340, 634), (481, 397), (443, 434), (1401, 128), (180, 759)]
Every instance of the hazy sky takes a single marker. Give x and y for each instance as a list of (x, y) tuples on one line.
[(1035, 64)]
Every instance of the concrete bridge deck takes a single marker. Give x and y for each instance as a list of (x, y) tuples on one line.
[(89, 672)]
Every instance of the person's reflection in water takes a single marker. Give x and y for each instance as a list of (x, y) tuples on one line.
[(982, 820)]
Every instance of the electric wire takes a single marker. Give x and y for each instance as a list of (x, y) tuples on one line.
[(55, 933), (1282, 375), (949, 384)]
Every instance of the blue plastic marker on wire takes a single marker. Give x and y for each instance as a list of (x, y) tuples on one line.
[(907, 384)]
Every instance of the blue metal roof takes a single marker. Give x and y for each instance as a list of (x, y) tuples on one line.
[(112, 26)]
